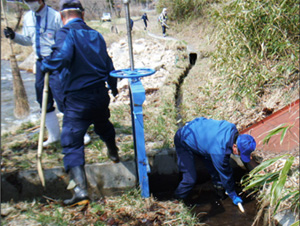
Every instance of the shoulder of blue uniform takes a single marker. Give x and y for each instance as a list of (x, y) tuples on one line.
[(61, 34)]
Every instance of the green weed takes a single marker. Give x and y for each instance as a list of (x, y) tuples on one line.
[(5, 135), (98, 145), (24, 126), (257, 45), (271, 180), (54, 218)]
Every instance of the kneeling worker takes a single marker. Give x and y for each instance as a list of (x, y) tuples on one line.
[(214, 140), (81, 57)]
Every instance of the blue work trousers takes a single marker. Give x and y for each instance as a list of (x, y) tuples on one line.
[(82, 109), (145, 22), (186, 166), (55, 90)]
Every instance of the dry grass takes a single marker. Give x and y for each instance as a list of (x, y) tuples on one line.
[(128, 209)]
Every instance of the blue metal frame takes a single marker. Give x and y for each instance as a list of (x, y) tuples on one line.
[(137, 98)]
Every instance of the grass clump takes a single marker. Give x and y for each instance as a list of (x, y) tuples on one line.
[(24, 126), (132, 209), (276, 183), (128, 209), (257, 46)]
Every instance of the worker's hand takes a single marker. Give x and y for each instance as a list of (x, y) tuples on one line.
[(44, 68), (9, 33), (235, 198), (115, 92)]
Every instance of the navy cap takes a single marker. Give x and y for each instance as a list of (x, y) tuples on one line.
[(70, 5), (246, 145)]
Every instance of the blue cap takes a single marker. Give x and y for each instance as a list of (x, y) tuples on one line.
[(246, 145), (70, 5)]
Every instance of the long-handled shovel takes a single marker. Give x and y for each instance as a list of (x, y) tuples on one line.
[(42, 129), (20, 97)]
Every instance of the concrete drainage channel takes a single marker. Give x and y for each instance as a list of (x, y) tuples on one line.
[(108, 179), (178, 94), (104, 179)]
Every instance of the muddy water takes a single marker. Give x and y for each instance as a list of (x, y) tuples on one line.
[(8, 120), (213, 211), (203, 200)]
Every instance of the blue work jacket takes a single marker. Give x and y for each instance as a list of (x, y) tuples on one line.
[(212, 139), (81, 57)]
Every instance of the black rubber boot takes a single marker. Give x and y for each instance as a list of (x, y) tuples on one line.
[(112, 151), (80, 196)]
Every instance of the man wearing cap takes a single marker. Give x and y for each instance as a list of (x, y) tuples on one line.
[(214, 140), (81, 57), (40, 26)]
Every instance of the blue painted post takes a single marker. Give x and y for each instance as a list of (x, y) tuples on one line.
[(137, 93), (137, 98)]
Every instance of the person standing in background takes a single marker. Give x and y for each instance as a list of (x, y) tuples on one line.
[(40, 26), (145, 19), (163, 17)]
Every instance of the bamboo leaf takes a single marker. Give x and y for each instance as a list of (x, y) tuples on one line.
[(258, 182), (273, 132), (278, 186), (276, 207), (290, 195), (264, 165), (297, 223), (284, 132)]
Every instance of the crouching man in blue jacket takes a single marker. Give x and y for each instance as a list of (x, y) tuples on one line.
[(80, 55), (214, 140)]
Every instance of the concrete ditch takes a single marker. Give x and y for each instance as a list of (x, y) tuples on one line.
[(104, 179), (108, 179)]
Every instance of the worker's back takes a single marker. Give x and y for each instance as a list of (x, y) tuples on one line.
[(209, 136)]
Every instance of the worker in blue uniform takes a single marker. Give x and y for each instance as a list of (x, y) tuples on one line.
[(40, 26), (81, 57), (215, 141), (145, 19)]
